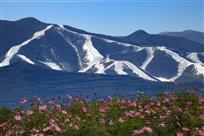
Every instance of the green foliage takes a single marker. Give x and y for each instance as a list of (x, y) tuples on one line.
[(181, 112), (5, 114)]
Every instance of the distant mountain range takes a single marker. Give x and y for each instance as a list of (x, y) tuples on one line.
[(38, 58), (187, 34)]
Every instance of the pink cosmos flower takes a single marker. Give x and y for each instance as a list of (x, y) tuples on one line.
[(158, 104), (57, 106), (148, 112), (142, 130), (164, 108), (64, 112), (23, 101), (185, 129), (200, 107), (46, 129), (123, 101), (36, 99), (110, 98), (141, 110), (148, 129), (69, 96), (201, 116), (121, 120), (57, 128), (29, 112), (137, 132), (137, 113), (18, 117), (9, 133), (103, 109), (133, 104), (3, 124), (84, 109), (166, 100), (129, 113), (35, 130), (42, 107), (201, 132), (50, 102), (202, 128), (52, 121), (201, 100), (189, 103), (76, 99)]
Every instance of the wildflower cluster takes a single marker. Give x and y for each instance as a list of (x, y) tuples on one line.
[(176, 114)]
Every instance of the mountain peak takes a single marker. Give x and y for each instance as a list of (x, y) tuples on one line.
[(139, 33), (29, 20)]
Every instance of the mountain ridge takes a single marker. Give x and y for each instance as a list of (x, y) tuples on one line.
[(64, 48), (192, 35)]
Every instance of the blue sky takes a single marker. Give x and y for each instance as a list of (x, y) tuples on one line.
[(115, 17)]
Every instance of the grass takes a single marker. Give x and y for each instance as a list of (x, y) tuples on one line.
[(180, 113)]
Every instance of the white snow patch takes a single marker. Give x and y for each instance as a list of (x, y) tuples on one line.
[(14, 50), (26, 59), (52, 65), (92, 55), (119, 43), (150, 56), (194, 57), (199, 68), (100, 68), (119, 68), (163, 79), (138, 71)]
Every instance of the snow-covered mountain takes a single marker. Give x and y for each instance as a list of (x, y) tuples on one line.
[(64, 48)]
